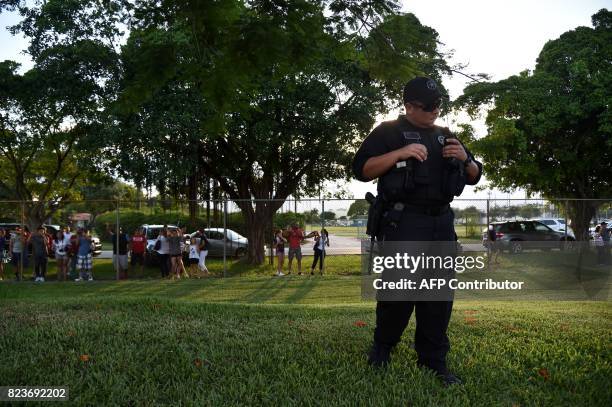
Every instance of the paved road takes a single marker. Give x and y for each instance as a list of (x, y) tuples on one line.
[(338, 245)]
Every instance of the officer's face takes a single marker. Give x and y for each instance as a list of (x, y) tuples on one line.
[(420, 118)]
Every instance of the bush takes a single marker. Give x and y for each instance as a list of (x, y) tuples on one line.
[(283, 220)]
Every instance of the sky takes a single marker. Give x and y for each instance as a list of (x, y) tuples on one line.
[(500, 38)]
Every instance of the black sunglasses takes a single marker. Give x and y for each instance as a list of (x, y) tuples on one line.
[(430, 107)]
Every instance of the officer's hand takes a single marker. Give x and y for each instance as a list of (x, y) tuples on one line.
[(454, 150), (414, 150)]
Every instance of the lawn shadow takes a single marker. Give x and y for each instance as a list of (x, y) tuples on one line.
[(266, 290), (303, 290)]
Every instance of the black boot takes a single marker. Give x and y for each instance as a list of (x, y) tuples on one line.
[(379, 355), (444, 375)]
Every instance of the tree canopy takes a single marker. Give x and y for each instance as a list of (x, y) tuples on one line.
[(550, 130), (272, 98)]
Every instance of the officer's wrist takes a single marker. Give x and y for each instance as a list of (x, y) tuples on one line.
[(396, 156)]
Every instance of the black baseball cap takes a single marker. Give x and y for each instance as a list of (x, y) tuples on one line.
[(421, 89)]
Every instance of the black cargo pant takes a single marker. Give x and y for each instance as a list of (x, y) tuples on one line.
[(164, 264), (432, 317), (40, 265)]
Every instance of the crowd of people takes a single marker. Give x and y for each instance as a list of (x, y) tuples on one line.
[(294, 236), (602, 244), (72, 251), (170, 245)]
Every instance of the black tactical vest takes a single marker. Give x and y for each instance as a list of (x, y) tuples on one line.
[(434, 181)]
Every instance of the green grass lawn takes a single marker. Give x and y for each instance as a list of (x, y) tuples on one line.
[(289, 341)]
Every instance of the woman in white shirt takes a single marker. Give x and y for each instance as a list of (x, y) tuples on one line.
[(60, 251), (321, 240)]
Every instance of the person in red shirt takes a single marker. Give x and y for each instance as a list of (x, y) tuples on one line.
[(295, 237), (138, 244)]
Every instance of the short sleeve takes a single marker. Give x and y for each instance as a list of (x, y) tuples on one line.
[(373, 146)]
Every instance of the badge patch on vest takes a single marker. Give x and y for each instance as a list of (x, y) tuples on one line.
[(441, 139), (413, 136)]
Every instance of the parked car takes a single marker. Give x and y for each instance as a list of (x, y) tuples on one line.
[(516, 236), (556, 224), (236, 245)]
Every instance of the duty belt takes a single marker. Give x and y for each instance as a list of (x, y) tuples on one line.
[(436, 210)]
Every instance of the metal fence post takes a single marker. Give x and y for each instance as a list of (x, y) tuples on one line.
[(323, 253), (488, 210), (224, 237), (24, 245), (272, 232), (116, 256)]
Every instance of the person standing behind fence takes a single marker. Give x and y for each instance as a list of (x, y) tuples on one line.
[(175, 252), (40, 252), (204, 246), (19, 255), (321, 240), (194, 256), (279, 245), (599, 246), (296, 235), (71, 260), (3, 253), (137, 247), (605, 236), (73, 248), (84, 256), (162, 247), (492, 244), (60, 250), (120, 253)]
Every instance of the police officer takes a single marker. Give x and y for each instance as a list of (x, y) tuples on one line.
[(420, 168)]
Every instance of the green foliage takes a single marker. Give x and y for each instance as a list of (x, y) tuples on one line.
[(50, 114), (328, 215), (312, 216), (101, 197), (269, 100), (286, 219), (358, 208)]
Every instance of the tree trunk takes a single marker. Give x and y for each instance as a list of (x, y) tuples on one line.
[(256, 227), (138, 195), (580, 214), (35, 215), (192, 191), (257, 222), (207, 197)]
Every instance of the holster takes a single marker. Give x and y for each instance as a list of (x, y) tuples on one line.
[(375, 213)]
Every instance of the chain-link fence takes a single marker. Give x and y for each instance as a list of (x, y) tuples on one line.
[(240, 234)]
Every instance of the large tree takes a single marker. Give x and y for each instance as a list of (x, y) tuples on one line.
[(286, 90), (550, 130), (49, 115)]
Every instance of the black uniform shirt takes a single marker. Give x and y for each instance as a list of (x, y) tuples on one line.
[(395, 134)]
